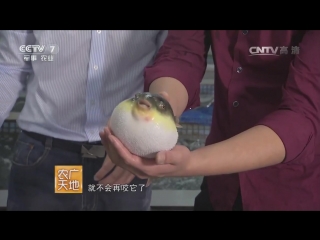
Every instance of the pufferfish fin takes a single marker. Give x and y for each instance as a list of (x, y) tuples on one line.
[(177, 122)]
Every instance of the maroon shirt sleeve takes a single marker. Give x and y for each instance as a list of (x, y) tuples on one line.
[(183, 57), (297, 119)]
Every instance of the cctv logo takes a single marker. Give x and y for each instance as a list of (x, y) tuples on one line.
[(258, 51), (32, 48)]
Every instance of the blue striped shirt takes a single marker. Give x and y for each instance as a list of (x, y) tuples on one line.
[(72, 96)]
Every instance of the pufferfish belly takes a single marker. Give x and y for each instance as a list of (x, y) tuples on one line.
[(142, 138)]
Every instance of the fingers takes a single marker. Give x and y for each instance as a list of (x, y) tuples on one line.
[(142, 168), (106, 167), (104, 140), (122, 177), (121, 150), (112, 178), (118, 176), (126, 178), (127, 156), (104, 137)]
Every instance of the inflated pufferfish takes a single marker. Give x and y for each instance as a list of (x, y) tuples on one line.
[(145, 124)]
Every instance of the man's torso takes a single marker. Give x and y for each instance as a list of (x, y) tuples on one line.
[(72, 96), (247, 88)]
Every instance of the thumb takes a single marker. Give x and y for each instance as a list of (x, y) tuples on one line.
[(170, 157)]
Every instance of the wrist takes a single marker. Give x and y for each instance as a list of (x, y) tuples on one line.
[(177, 93), (192, 165), (203, 162)]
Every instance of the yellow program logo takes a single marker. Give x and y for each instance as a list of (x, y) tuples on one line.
[(68, 179)]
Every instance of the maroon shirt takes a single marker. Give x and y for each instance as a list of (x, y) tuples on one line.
[(280, 91)]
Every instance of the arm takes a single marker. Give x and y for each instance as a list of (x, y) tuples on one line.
[(179, 68), (13, 69), (288, 134)]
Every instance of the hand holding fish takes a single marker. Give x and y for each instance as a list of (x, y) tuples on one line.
[(132, 114), (117, 174), (172, 163), (142, 136), (111, 174)]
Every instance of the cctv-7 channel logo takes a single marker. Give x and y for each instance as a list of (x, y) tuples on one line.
[(46, 52), (39, 49)]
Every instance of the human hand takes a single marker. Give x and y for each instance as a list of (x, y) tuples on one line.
[(173, 163), (111, 174), (119, 155)]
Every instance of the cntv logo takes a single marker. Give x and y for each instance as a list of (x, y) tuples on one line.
[(254, 51)]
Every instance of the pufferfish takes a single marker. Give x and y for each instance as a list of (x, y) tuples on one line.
[(145, 124)]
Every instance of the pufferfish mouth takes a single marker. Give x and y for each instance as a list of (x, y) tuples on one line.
[(144, 104)]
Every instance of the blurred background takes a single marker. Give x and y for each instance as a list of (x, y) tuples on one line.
[(168, 193)]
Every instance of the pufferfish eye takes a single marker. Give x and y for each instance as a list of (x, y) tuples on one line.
[(161, 105)]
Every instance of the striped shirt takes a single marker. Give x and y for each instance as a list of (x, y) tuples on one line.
[(72, 91)]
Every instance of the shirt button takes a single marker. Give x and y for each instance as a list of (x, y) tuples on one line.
[(245, 32), (95, 67), (239, 69), (235, 103), (99, 31)]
